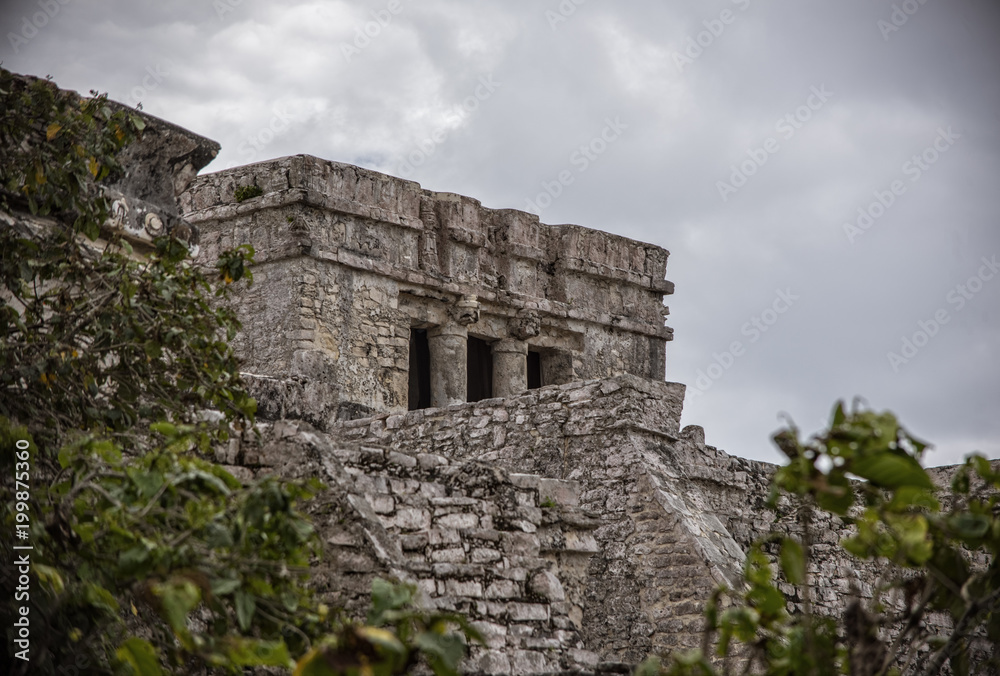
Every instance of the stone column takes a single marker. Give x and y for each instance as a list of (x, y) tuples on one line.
[(449, 364), (510, 368)]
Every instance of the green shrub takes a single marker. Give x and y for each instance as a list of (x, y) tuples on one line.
[(245, 192)]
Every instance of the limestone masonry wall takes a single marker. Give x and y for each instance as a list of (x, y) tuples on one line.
[(350, 261), (566, 512), (483, 397), (575, 524), (507, 550), (657, 556)]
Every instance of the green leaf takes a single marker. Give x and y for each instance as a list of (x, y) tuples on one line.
[(314, 663), (838, 494), (793, 561), (148, 483), (218, 536), (141, 656), (444, 652), (383, 638), (742, 621), (209, 478), (837, 418), (133, 559), (984, 468), (650, 666), (257, 653), (107, 450), (768, 601), (290, 600), (178, 598), (967, 526), (908, 497), (99, 597), (387, 596), (166, 429), (223, 586), (911, 531), (152, 349), (50, 577), (889, 470), (245, 607), (960, 483)]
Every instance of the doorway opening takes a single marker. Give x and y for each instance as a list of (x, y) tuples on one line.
[(479, 370), (534, 370), (420, 371)]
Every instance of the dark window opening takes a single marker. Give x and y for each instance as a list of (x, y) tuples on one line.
[(480, 370), (420, 370), (534, 370)]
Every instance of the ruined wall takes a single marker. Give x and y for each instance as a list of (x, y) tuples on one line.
[(660, 552), (508, 551), (574, 524), (350, 260), (677, 515)]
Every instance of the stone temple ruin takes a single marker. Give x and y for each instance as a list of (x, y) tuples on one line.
[(484, 397)]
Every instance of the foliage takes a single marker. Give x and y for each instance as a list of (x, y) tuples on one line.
[(172, 538), (101, 341), (95, 339), (245, 192), (147, 558), (104, 354), (898, 521), (396, 635), (57, 148)]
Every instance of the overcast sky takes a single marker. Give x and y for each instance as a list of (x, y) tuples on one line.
[(826, 175)]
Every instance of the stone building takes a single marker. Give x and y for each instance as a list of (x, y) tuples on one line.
[(484, 397), (375, 296)]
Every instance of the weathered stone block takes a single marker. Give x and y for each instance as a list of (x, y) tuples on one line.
[(524, 662), (503, 589), (469, 588), (457, 521), (520, 544), (528, 612), (454, 555), (494, 662), (408, 518), (547, 585)]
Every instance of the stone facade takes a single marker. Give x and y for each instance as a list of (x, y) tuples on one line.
[(355, 267), (483, 397)]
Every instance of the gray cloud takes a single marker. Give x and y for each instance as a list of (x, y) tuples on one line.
[(273, 78)]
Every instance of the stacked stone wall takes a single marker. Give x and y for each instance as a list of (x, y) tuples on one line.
[(357, 259), (659, 558), (508, 551)]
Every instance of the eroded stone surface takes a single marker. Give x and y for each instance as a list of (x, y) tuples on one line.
[(350, 261), (565, 512), (576, 524)]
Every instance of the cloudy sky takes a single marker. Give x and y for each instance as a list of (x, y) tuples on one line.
[(826, 175)]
